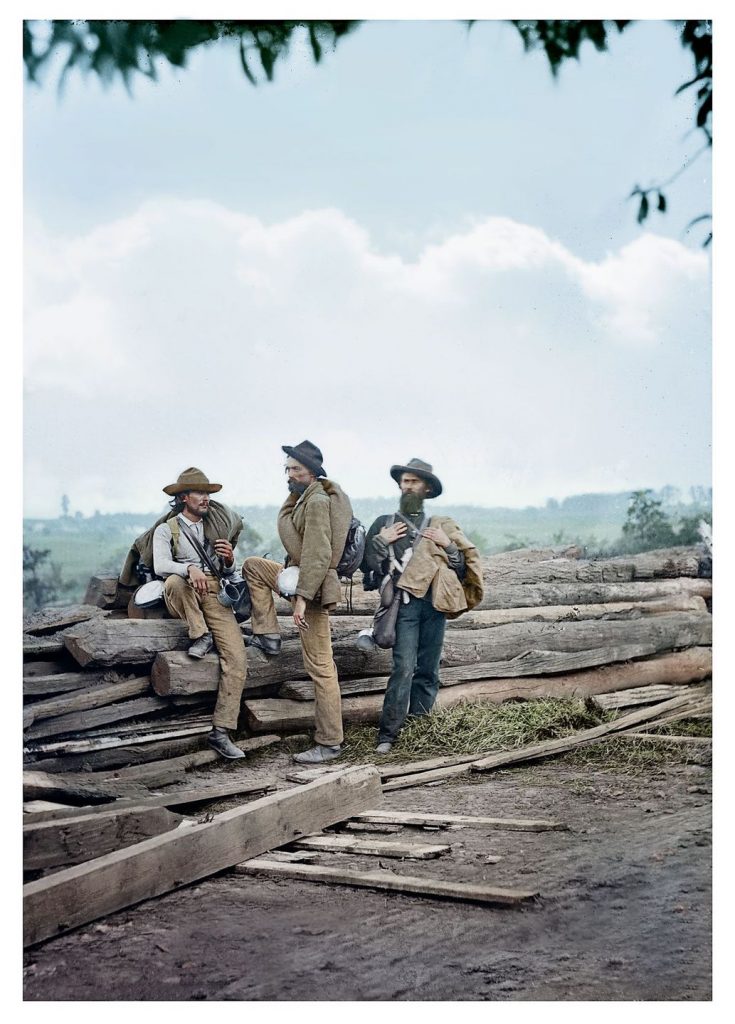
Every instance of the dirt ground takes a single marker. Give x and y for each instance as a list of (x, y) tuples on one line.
[(624, 910)]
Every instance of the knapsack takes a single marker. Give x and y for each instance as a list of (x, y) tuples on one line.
[(354, 550)]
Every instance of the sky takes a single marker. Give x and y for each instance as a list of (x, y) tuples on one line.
[(421, 247)]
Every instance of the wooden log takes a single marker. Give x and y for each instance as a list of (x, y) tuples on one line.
[(530, 596), (105, 591), (526, 664), (42, 646), (664, 564), (51, 620), (173, 674), (78, 721), (95, 696), (59, 682), (701, 709), (66, 841), (561, 612), (691, 665), (474, 892), (80, 894), (420, 819), (644, 695), (372, 847), (124, 641), (44, 668)]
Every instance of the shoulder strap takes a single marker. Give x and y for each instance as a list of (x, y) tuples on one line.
[(198, 547)]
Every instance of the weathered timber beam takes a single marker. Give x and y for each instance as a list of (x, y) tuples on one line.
[(77, 895), (66, 841), (474, 892), (421, 818), (372, 847), (95, 696)]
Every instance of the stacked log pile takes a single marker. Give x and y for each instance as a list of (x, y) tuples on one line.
[(106, 691)]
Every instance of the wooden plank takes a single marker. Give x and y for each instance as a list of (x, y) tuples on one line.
[(420, 819), (59, 682), (178, 797), (51, 620), (372, 847), (38, 646), (474, 892), (81, 720), (704, 741), (66, 841), (111, 742), (124, 641), (95, 696), (80, 894)]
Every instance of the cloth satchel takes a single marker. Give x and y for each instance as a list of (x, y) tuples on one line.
[(386, 617), (233, 591)]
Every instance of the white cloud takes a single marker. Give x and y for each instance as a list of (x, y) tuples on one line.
[(190, 333)]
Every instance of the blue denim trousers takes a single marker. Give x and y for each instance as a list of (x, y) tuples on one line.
[(414, 681)]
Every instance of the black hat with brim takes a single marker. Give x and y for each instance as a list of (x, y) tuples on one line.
[(308, 455), (421, 469)]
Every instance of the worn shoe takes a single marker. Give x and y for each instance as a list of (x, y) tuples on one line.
[(219, 740), (270, 645), (318, 754), (384, 748), (364, 641), (203, 645)]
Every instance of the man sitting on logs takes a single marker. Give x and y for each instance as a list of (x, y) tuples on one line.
[(313, 524), (438, 575), (190, 589)]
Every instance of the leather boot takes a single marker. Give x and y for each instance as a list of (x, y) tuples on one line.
[(219, 740), (201, 646), (265, 642)]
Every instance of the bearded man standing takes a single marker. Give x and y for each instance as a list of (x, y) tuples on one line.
[(438, 573), (313, 524), (190, 589)]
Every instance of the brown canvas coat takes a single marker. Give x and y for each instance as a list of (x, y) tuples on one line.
[(221, 523), (313, 528), (428, 567)]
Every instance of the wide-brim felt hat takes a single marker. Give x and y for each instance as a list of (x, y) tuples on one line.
[(192, 479), (308, 455), (421, 469)]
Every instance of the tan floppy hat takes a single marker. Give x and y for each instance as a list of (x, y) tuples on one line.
[(192, 479)]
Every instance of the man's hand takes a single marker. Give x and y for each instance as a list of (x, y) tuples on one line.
[(225, 552), (390, 534), (299, 608), (438, 535), (197, 579)]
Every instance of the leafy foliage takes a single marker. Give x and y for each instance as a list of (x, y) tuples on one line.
[(124, 48), (648, 527), (43, 581)]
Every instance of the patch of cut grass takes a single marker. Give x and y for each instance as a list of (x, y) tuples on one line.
[(478, 728)]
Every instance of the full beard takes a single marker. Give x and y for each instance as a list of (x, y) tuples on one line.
[(411, 504), (296, 488)]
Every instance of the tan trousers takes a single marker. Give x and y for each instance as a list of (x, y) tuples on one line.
[(204, 614), (316, 646)]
